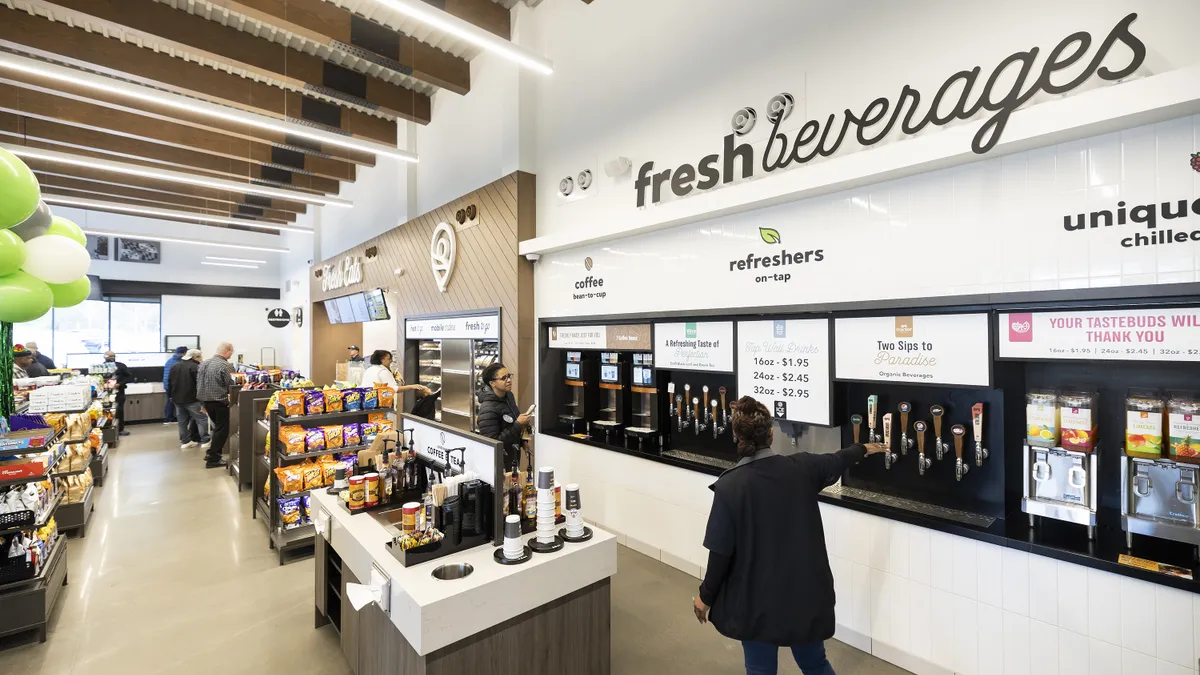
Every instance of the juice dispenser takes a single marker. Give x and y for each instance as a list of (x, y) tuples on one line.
[(644, 394), (1059, 458), (1158, 494), (612, 385)]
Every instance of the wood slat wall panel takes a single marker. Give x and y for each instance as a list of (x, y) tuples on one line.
[(488, 272)]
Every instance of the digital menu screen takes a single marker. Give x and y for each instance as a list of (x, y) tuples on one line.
[(376, 304), (345, 312), (358, 305), (637, 376), (608, 373), (332, 310), (574, 356), (573, 371)]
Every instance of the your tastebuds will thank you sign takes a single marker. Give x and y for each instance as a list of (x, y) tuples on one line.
[(1168, 334)]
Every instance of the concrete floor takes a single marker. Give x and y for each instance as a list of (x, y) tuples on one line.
[(174, 577)]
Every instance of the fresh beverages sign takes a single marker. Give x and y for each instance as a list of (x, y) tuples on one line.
[(1171, 334)]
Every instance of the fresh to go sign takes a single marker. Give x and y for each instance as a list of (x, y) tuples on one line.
[(1119, 335)]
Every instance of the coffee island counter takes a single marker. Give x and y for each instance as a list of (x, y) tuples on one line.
[(487, 621)]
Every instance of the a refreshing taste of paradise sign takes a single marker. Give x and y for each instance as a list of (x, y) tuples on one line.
[(1168, 334)]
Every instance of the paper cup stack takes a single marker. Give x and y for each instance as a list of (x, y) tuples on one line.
[(573, 509), (545, 505), (514, 548)]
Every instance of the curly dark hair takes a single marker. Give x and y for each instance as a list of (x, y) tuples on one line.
[(377, 356), (489, 373), (752, 426)]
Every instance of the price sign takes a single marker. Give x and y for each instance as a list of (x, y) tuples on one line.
[(1113, 334), (784, 363)]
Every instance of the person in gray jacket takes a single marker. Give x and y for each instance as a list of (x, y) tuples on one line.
[(498, 415)]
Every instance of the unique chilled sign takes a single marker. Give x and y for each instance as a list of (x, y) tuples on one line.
[(949, 349), (1112, 334), (705, 345), (476, 327), (784, 363)]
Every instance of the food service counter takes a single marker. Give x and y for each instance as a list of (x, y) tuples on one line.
[(468, 624)]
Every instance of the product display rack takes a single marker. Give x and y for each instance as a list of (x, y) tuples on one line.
[(74, 517), (99, 465), (50, 512), (247, 414), (26, 605), (302, 536)]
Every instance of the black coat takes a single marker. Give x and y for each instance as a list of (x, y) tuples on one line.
[(497, 419), (181, 382), (779, 588)]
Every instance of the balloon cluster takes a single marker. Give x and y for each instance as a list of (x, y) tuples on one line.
[(43, 259)]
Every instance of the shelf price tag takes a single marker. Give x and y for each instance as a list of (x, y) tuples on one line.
[(1171, 334), (946, 349), (784, 363)]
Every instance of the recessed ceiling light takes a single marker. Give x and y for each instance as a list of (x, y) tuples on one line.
[(216, 264), (24, 64), (469, 32), (166, 213), (183, 240), (173, 176), (237, 260)]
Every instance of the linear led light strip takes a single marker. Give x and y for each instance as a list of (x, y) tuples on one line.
[(166, 213), (183, 240), (469, 32), (217, 264), (174, 176), (236, 260), (24, 64)]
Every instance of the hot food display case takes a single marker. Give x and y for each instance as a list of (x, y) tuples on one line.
[(448, 353)]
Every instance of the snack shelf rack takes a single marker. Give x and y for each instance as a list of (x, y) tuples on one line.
[(282, 540), (8, 452), (74, 517), (27, 604), (41, 521), (99, 465)]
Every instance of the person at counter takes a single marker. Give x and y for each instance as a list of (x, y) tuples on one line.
[(765, 522), (380, 372), (39, 356), (212, 388), (354, 353), (25, 365), (122, 376), (499, 417), (169, 410), (181, 387)]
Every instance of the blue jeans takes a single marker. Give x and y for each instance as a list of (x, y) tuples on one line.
[(191, 414), (763, 659), (169, 410)]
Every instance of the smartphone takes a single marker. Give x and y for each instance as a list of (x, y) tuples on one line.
[(531, 409)]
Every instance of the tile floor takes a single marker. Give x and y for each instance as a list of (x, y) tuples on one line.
[(174, 577)]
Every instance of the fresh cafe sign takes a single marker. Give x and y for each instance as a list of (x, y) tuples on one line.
[(1012, 83), (348, 273)]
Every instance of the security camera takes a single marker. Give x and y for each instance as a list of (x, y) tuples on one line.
[(617, 167), (533, 257)]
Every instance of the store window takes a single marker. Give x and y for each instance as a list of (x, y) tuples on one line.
[(40, 331), (95, 326), (80, 329), (135, 326)]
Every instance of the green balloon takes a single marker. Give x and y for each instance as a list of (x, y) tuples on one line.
[(12, 252), (62, 226), (23, 297), (19, 191), (71, 293)]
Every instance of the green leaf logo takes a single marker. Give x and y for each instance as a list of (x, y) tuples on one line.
[(769, 235)]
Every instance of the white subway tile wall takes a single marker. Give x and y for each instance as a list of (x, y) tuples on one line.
[(980, 609)]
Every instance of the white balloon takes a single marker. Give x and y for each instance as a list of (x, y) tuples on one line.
[(56, 259)]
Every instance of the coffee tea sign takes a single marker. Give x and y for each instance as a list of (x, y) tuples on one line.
[(1168, 334), (946, 349)]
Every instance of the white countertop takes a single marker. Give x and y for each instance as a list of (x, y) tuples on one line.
[(432, 614)]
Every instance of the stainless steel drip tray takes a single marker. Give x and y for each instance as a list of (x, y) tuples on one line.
[(910, 505)]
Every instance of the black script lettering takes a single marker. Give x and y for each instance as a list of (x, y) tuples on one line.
[(1007, 105), (783, 160), (870, 118), (960, 110), (806, 135), (829, 150), (1054, 63), (1121, 32)]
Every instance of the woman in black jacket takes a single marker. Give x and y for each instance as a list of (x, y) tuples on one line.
[(768, 581), (499, 417)]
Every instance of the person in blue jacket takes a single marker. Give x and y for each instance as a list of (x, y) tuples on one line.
[(169, 409)]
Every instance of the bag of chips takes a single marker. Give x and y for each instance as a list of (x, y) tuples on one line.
[(314, 439), (351, 435), (329, 468), (367, 431), (293, 440), (291, 479), (384, 425), (314, 476), (352, 399), (314, 402), (333, 436), (306, 502), (291, 512), (387, 396), (370, 397), (292, 401), (333, 400), (376, 417)]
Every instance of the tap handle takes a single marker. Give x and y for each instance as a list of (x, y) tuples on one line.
[(920, 427), (887, 430), (722, 390), (696, 407), (937, 411), (705, 397), (958, 431), (712, 408), (977, 422), (872, 409), (905, 408), (856, 420)]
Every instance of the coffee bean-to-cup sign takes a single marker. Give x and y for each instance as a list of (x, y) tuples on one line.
[(278, 317)]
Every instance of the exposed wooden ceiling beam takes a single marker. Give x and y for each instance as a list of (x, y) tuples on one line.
[(231, 48), (39, 106), (91, 51), (54, 168), (55, 191), (338, 29), (155, 116), (162, 200), (488, 15), (37, 133), (95, 204)]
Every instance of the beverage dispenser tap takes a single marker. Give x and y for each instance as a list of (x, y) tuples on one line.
[(671, 398), (708, 416), (960, 468), (698, 424), (687, 396), (872, 409), (981, 452), (889, 457), (724, 410), (717, 429), (940, 446), (681, 412), (856, 420), (923, 462), (905, 441)]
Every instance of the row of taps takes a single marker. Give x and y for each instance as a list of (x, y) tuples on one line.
[(700, 418), (920, 426)]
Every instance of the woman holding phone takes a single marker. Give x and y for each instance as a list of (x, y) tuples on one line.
[(499, 416)]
